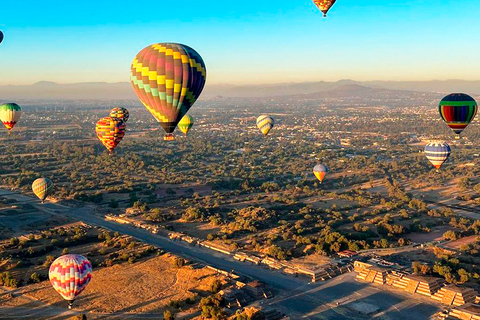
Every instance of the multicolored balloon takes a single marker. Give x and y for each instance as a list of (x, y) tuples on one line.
[(168, 78), (320, 171), (437, 153), (458, 110), (120, 113), (324, 5), (185, 124), (10, 113), (110, 131), (265, 124), (42, 187), (1, 36), (69, 275)]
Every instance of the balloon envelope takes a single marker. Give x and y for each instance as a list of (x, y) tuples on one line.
[(110, 131), (42, 188), (185, 124), (458, 110), (320, 171), (69, 275), (1, 36), (324, 5), (265, 123), (437, 153), (120, 113), (10, 113), (168, 78)]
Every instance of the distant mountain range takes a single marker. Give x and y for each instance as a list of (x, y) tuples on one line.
[(123, 91)]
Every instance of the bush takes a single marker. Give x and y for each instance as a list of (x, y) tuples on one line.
[(7, 280), (450, 235), (48, 260), (35, 278), (179, 262), (168, 315), (215, 286)]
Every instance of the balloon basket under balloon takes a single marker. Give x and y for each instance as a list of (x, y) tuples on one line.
[(169, 137)]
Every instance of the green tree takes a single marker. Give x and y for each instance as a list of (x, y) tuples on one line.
[(168, 315)]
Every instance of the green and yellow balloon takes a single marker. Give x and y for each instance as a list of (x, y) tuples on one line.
[(10, 113), (42, 188), (185, 124)]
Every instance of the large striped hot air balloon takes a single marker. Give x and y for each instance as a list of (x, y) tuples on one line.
[(458, 110), (10, 113), (1, 36), (120, 113), (320, 171), (185, 124), (69, 275), (42, 187), (110, 131), (168, 78), (265, 123), (324, 5), (437, 153)]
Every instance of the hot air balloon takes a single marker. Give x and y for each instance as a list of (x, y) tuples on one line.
[(42, 187), (10, 113), (265, 124), (168, 78), (324, 5), (1, 36), (458, 110), (320, 171), (437, 153), (110, 131), (185, 124), (69, 275), (120, 113)]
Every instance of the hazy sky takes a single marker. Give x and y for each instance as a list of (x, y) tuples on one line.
[(261, 41)]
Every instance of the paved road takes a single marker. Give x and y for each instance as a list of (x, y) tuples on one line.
[(336, 299), (272, 278)]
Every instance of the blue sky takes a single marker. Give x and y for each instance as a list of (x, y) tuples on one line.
[(262, 41)]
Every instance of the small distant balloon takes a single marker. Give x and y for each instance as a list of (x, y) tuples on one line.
[(437, 153), (458, 110), (120, 113), (320, 171), (10, 113), (110, 131), (42, 188), (185, 124), (265, 123), (69, 275), (1, 36), (324, 5)]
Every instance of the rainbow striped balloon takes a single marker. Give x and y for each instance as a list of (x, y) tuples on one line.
[(110, 131), (42, 187), (437, 153), (120, 113), (458, 110), (265, 123), (168, 78), (69, 275), (10, 113)]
